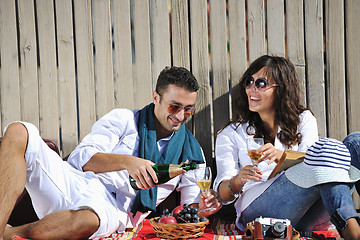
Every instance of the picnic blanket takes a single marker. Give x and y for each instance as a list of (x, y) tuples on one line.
[(219, 231)]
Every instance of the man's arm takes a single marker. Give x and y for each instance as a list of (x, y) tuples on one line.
[(94, 153), (140, 169)]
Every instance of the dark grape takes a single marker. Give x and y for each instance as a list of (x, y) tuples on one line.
[(166, 212), (187, 216), (194, 210), (203, 219)]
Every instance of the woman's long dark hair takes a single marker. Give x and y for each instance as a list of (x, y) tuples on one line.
[(286, 101)]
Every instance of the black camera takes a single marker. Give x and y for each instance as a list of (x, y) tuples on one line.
[(272, 228)]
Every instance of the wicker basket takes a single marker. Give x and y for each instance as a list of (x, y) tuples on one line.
[(178, 230)]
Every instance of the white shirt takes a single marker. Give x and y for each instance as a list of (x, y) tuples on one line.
[(231, 155), (117, 133)]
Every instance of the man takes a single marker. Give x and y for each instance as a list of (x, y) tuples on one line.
[(90, 195)]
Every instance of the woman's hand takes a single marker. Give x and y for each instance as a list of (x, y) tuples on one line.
[(271, 153), (210, 201), (248, 172)]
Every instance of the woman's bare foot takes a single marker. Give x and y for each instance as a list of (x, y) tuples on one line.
[(352, 230)]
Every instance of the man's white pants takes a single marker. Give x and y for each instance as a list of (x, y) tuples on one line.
[(54, 185)]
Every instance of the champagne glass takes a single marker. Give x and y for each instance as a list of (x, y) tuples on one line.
[(253, 144), (203, 180)]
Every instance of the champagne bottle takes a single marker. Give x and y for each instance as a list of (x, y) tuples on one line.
[(165, 172)]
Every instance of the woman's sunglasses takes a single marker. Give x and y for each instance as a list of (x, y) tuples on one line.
[(261, 83)]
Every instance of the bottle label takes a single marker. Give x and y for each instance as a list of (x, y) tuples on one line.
[(175, 170)]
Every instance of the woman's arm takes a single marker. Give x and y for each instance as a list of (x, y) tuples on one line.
[(230, 189), (228, 145), (308, 129)]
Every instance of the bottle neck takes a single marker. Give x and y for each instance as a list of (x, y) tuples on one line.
[(189, 166)]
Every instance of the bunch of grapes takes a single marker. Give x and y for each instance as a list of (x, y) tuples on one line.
[(189, 215), (185, 215)]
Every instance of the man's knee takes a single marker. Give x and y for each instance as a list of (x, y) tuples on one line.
[(86, 222), (16, 134)]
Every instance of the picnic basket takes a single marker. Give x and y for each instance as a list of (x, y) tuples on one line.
[(178, 230)]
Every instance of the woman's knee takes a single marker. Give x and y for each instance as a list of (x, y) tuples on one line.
[(352, 142)]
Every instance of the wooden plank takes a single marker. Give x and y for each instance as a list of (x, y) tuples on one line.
[(10, 90), (200, 69), (160, 37), (256, 29), (48, 90), (315, 62), (352, 18), (85, 65), (66, 76), (237, 42), (219, 65), (335, 69), (1, 129), (28, 60), (180, 38), (180, 33), (124, 86), (143, 87), (276, 27), (295, 40), (104, 79)]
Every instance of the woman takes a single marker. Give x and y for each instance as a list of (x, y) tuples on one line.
[(269, 106)]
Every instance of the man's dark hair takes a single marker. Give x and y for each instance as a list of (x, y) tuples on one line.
[(178, 76)]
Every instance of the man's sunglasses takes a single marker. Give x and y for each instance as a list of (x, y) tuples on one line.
[(261, 83), (174, 109)]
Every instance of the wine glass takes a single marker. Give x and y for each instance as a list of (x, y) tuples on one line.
[(203, 180), (253, 144)]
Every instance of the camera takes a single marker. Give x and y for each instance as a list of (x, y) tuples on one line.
[(272, 228)]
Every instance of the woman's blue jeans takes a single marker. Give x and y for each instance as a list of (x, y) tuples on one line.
[(309, 208)]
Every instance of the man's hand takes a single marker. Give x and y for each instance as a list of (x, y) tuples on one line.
[(138, 168), (141, 170), (210, 201)]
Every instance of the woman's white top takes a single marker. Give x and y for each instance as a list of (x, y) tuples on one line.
[(231, 155)]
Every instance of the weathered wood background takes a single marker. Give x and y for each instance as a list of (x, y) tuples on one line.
[(65, 63)]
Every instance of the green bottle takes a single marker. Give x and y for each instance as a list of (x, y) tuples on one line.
[(165, 172)]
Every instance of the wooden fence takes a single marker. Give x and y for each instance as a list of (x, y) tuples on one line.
[(65, 63)]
